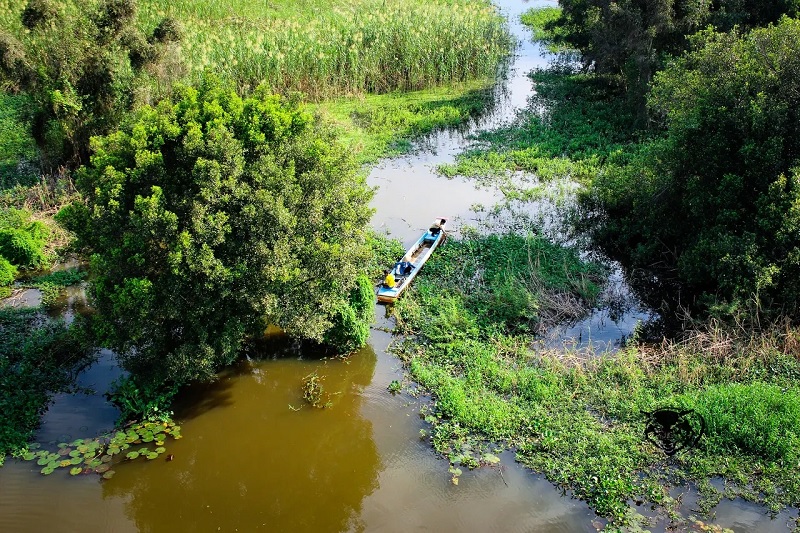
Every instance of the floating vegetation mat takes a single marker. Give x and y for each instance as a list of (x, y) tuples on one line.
[(99, 455)]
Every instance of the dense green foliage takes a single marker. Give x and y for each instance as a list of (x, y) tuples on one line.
[(210, 216), (579, 420), (18, 155), (631, 38), (351, 321), (38, 357), (714, 205), (22, 241), (7, 272), (81, 64), (141, 401)]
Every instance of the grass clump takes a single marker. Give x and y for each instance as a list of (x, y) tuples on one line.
[(52, 285), (325, 49)]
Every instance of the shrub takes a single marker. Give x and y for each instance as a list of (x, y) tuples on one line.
[(351, 323), (7, 272)]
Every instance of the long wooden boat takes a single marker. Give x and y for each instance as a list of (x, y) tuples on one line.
[(405, 270)]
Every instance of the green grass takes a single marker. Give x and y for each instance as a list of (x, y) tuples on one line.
[(572, 128), (377, 126)]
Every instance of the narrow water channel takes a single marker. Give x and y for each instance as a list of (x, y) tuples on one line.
[(256, 459)]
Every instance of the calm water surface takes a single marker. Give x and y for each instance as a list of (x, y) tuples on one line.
[(256, 459)]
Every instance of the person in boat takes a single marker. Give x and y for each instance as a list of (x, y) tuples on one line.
[(436, 228), (388, 280), (404, 268)]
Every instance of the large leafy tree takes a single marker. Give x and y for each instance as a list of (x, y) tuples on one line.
[(716, 204), (82, 64), (210, 216)]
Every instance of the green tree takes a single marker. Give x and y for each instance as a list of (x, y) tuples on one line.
[(82, 64), (208, 217), (716, 204), (630, 39)]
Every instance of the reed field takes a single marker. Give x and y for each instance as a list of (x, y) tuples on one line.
[(325, 49)]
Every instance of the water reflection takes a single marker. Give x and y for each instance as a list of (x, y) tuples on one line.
[(254, 462)]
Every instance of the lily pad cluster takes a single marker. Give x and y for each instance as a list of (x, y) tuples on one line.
[(100, 454)]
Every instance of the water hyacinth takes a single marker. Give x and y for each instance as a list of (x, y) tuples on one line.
[(326, 49)]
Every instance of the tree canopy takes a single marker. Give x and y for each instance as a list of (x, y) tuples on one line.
[(631, 39), (82, 64), (716, 203), (210, 216)]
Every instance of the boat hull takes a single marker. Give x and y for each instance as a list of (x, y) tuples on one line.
[(416, 256)]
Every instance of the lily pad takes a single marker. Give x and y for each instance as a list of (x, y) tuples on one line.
[(34, 446), (64, 451), (76, 460), (94, 463), (109, 474), (152, 455), (74, 471), (76, 442), (132, 455), (29, 456), (144, 451), (75, 453), (43, 461), (160, 449), (106, 459), (47, 470), (490, 458), (102, 468), (65, 463)]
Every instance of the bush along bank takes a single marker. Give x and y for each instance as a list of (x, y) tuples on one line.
[(582, 421)]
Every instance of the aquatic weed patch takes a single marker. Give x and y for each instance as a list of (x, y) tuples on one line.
[(572, 127), (581, 421)]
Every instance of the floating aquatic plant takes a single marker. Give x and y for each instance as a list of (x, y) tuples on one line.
[(313, 391), (99, 455)]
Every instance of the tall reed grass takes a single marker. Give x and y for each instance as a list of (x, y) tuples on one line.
[(330, 49), (373, 46)]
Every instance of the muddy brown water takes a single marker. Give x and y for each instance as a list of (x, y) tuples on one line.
[(254, 458)]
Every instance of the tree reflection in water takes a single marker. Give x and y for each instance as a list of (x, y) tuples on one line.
[(248, 461)]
